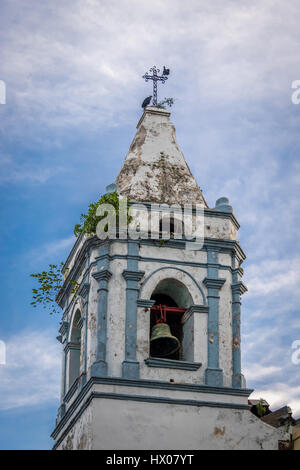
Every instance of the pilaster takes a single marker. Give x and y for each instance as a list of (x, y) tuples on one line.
[(213, 373), (102, 276), (237, 288), (130, 366)]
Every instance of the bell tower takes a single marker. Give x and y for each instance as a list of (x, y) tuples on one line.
[(151, 354)]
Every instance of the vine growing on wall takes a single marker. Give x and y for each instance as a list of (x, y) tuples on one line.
[(90, 220)]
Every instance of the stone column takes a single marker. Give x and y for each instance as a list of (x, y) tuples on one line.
[(213, 374), (130, 366), (62, 338), (83, 292), (99, 367), (237, 288)]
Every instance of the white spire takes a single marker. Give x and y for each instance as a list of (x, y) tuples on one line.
[(155, 169)]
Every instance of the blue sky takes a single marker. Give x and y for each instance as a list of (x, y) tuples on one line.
[(73, 77)]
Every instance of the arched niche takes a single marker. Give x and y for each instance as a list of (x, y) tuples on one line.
[(171, 292), (196, 294)]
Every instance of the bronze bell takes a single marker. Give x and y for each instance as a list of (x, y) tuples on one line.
[(162, 342)]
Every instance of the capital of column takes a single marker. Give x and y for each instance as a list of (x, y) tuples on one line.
[(212, 283), (63, 328), (146, 303), (103, 275), (132, 275), (83, 290), (238, 288)]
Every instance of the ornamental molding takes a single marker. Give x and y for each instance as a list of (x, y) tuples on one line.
[(212, 283), (132, 275), (103, 275), (239, 288), (63, 328), (83, 290), (147, 303)]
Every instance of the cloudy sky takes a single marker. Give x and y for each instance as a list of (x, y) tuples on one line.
[(73, 71)]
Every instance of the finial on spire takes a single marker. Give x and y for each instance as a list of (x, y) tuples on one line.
[(156, 78)]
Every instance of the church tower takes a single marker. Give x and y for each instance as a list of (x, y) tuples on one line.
[(129, 381)]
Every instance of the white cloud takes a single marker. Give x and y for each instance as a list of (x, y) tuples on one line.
[(83, 66), (273, 276), (31, 375), (257, 371)]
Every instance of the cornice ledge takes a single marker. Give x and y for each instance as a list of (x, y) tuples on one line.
[(83, 290), (238, 288), (197, 309), (63, 328), (103, 275), (212, 283), (132, 275), (147, 303), (172, 363), (71, 346)]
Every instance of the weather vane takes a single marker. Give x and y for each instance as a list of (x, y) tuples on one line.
[(156, 78)]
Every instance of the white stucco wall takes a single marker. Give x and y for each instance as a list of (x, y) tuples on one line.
[(121, 425)]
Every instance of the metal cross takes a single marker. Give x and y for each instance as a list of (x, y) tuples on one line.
[(156, 78)]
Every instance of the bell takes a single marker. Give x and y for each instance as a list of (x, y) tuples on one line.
[(162, 342)]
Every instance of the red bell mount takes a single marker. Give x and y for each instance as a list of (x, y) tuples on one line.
[(160, 312)]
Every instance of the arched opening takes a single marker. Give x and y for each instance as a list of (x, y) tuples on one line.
[(171, 300), (74, 349)]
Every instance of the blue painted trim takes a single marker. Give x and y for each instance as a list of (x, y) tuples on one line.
[(130, 369), (146, 303), (64, 328), (224, 246), (176, 269), (146, 399), (172, 261), (99, 367), (214, 284), (213, 374), (214, 377), (167, 400), (197, 309), (72, 390), (104, 275), (172, 363), (130, 366), (238, 288), (71, 346), (132, 275), (63, 422), (83, 290)]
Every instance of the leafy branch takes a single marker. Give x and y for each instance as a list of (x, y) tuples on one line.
[(166, 102), (50, 283), (261, 408)]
